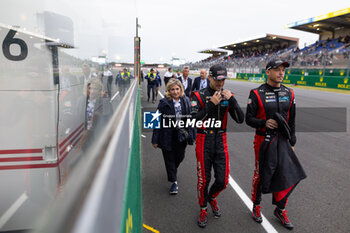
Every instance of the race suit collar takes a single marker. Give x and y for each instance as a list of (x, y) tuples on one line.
[(273, 88), (211, 91)]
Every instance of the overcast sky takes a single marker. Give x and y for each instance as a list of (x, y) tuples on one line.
[(169, 29), (182, 28)]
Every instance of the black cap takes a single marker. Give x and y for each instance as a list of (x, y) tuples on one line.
[(273, 64), (152, 69), (218, 72)]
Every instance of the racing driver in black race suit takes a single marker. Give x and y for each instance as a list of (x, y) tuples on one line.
[(263, 103), (214, 103)]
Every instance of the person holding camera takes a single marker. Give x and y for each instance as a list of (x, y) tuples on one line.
[(172, 137), (213, 103)]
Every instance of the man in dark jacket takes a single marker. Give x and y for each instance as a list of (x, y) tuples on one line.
[(151, 84), (213, 103), (123, 80), (263, 104), (201, 82), (186, 81)]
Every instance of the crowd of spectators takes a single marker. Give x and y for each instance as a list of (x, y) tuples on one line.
[(256, 52), (241, 58), (320, 53), (326, 45)]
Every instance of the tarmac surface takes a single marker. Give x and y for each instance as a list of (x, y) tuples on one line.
[(320, 203)]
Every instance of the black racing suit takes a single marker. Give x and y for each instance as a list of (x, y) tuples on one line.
[(263, 103), (211, 143)]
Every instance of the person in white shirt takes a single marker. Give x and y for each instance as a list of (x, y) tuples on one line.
[(108, 77), (168, 75)]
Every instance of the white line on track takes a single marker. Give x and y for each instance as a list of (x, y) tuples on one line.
[(115, 95), (12, 210), (266, 224), (161, 95), (143, 136)]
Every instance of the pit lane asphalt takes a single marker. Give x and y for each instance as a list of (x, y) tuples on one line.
[(318, 204)]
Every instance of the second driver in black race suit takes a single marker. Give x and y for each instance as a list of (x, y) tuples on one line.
[(263, 103), (213, 103)]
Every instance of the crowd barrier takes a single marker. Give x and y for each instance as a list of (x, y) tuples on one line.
[(103, 191), (314, 78), (132, 209)]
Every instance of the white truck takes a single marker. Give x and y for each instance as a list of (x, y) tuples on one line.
[(41, 122)]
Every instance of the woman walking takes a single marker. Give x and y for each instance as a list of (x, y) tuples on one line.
[(175, 107)]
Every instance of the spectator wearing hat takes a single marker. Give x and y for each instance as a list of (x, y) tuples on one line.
[(213, 103)]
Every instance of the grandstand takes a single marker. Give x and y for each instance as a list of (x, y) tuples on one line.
[(261, 46), (217, 56), (333, 46), (249, 55), (329, 55), (325, 63), (215, 52)]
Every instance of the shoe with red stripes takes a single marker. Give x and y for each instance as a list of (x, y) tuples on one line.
[(202, 218), (214, 206), (282, 216), (256, 214)]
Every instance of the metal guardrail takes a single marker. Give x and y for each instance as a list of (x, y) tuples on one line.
[(92, 198)]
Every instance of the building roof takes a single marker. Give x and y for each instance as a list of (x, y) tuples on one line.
[(214, 52), (262, 40), (329, 22)]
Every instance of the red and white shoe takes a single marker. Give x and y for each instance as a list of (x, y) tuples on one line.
[(214, 206), (282, 216), (256, 214)]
